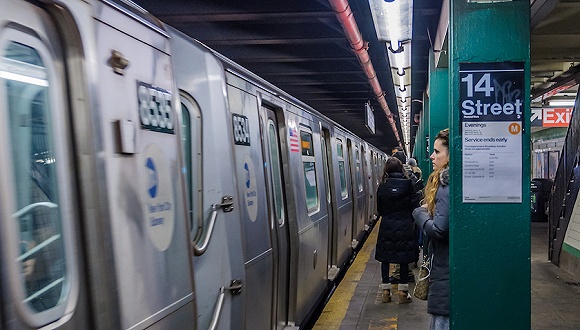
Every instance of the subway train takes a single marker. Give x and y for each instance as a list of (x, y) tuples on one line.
[(150, 182)]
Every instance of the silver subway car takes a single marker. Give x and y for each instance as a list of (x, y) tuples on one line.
[(149, 182)]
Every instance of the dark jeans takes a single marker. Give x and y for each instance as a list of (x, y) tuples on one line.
[(404, 272)]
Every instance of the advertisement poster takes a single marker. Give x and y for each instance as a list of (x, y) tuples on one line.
[(492, 107)]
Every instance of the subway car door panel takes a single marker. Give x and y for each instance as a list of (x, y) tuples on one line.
[(144, 182), (43, 282), (344, 201), (367, 175), (358, 218), (312, 214), (329, 184), (278, 212), (209, 160), (258, 284)]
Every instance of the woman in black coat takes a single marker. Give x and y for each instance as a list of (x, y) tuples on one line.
[(396, 199)]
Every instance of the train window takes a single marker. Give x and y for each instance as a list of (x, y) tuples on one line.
[(276, 175), (341, 169), (38, 191), (308, 161), (191, 139)]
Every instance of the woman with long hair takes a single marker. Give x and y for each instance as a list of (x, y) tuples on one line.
[(433, 218), (396, 199)]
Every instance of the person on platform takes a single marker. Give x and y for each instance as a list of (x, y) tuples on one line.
[(396, 199), (416, 170), (433, 218)]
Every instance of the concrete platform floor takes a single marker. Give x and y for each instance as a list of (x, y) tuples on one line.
[(356, 303)]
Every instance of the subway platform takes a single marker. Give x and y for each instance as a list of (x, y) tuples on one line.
[(356, 302)]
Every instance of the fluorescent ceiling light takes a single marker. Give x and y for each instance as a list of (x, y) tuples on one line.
[(393, 20), (561, 103)]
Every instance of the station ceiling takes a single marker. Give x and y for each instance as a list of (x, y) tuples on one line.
[(300, 46)]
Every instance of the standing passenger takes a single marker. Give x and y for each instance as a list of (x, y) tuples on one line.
[(396, 199), (433, 218), (416, 170)]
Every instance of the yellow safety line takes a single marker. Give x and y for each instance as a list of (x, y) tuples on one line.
[(335, 311)]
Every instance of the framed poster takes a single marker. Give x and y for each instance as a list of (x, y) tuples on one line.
[(491, 101)]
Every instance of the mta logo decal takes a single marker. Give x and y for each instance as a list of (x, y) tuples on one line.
[(247, 175), (153, 180)]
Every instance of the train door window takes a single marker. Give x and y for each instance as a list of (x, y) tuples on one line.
[(358, 169), (40, 190), (276, 175), (191, 141), (341, 168), (378, 171), (309, 164)]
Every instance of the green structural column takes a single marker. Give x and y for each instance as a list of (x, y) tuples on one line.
[(438, 103), (489, 88), (420, 148)]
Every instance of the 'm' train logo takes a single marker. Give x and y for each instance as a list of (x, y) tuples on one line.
[(514, 128)]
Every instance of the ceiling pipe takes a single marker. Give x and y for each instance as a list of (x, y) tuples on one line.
[(359, 46)]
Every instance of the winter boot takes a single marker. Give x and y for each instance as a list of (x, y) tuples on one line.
[(404, 296), (386, 292)]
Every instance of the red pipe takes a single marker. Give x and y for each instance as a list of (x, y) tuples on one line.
[(359, 46)]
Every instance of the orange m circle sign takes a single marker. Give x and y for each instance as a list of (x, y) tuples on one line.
[(514, 128)]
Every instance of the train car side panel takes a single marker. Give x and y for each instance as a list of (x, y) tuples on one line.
[(252, 201), (307, 167), (200, 77), (357, 189), (144, 178), (344, 199), (42, 281)]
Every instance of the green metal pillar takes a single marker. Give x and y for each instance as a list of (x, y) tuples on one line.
[(438, 104), (489, 240), (419, 146)]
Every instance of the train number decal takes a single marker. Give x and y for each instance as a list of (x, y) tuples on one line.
[(241, 129), (155, 108)]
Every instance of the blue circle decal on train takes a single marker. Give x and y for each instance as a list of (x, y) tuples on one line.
[(251, 192), (153, 180), (247, 175), (158, 204)]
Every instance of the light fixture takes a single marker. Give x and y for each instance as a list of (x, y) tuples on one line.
[(401, 59), (393, 20), (393, 25), (562, 103)]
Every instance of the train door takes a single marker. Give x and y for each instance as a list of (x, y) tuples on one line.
[(144, 186), (258, 258), (366, 170), (357, 192), (278, 218), (345, 202), (43, 283), (372, 188), (330, 201)]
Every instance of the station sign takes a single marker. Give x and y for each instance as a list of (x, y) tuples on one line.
[(491, 101), (369, 118)]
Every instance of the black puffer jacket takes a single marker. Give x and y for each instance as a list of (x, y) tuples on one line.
[(396, 199), (437, 229)]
